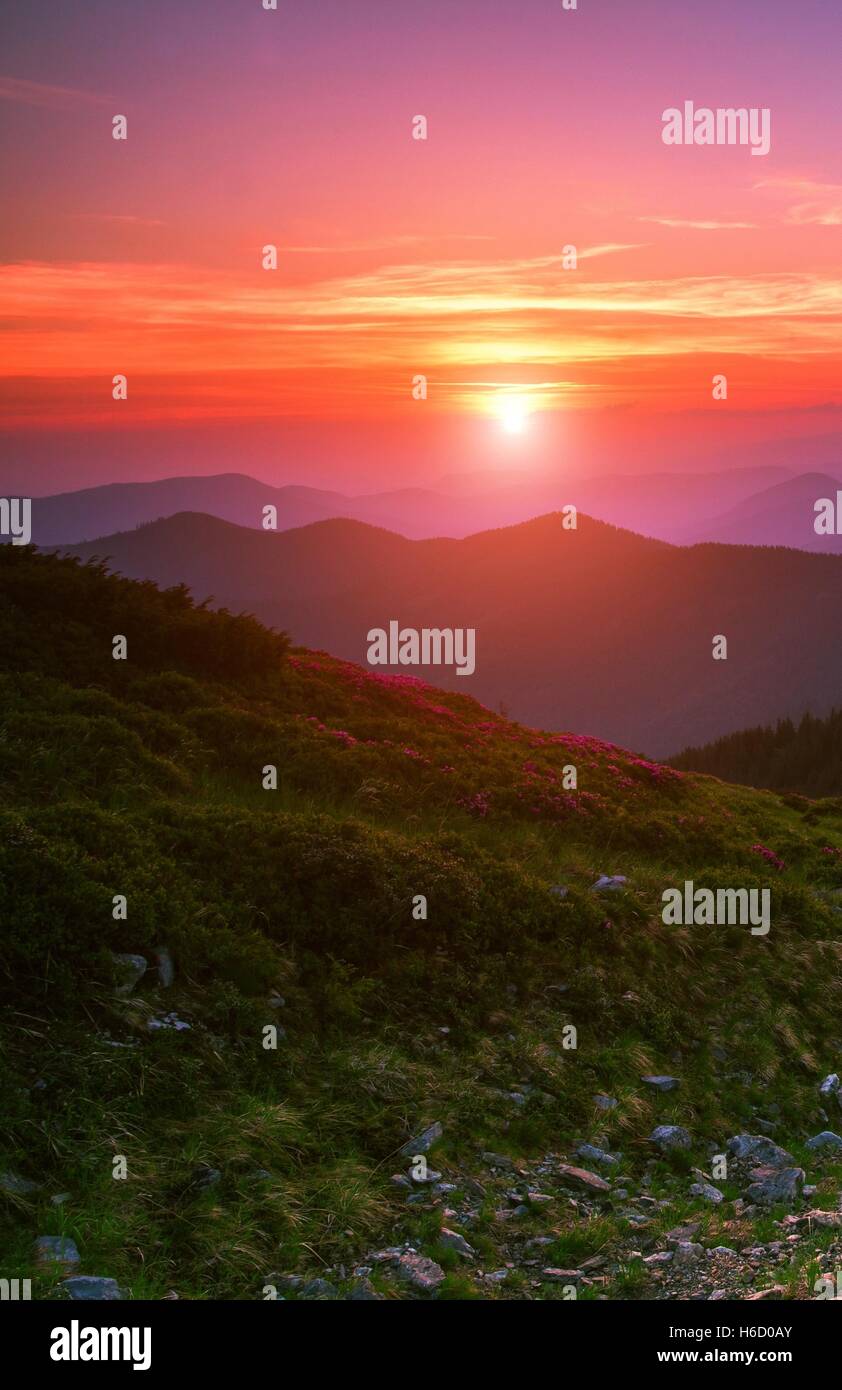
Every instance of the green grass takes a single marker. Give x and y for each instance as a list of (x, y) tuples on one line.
[(143, 778)]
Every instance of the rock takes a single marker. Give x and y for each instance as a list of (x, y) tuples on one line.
[(204, 1176), (829, 1086), (778, 1185), (684, 1232), (561, 1276), (776, 1291), (400, 1180), (538, 1242), (605, 1102), (419, 1272), (708, 1192), (595, 1155), (16, 1185), (59, 1199), (687, 1252), (756, 1148), (580, 1177), (662, 1257), (319, 1288), (130, 970), (169, 1023), (669, 1138), (609, 883), (363, 1291), (662, 1083), (497, 1160), (51, 1250), (276, 1000), (454, 1241), (723, 1252), (826, 1140), (423, 1142), (166, 969), (84, 1287), (559, 891), (429, 1177)]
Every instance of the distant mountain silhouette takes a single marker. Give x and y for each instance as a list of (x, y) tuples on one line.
[(780, 515), (669, 506), (598, 629)]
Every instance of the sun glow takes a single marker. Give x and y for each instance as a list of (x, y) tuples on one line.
[(513, 413)]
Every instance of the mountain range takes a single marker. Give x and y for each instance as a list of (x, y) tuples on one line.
[(596, 629), (742, 506)]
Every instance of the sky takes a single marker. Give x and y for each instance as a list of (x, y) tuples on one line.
[(400, 257)]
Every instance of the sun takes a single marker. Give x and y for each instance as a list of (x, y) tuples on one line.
[(513, 413)]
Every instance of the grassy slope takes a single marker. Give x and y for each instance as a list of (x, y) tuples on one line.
[(143, 778)]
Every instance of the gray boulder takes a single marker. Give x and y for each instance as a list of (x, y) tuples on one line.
[(756, 1148), (423, 1275), (826, 1140), (129, 970), (669, 1138), (85, 1287), (609, 883), (59, 1250), (777, 1185), (423, 1142)]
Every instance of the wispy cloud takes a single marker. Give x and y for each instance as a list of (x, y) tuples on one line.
[(698, 226), (819, 204), (28, 93), (460, 322), (119, 218)]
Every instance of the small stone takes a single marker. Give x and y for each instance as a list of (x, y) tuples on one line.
[(430, 1176), (559, 891), (580, 1177), (826, 1140), (670, 1137), (662, 1083), (56, 1250), (85, 1287), (454, 1241), (129, 970), (16, 1185), (561, 1276), (594, 1155), (204, 1176), (778, 1185), (423, 1142), (497, 1160), (59, 1199), (708, 1192), (169, 1023), (166, 969), (605, 1102), (687, 1252), (756, 1148), (662, 1257), (363, 1291), (319, 1288), (830, 1085), (609, 883), (420, 1273)]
